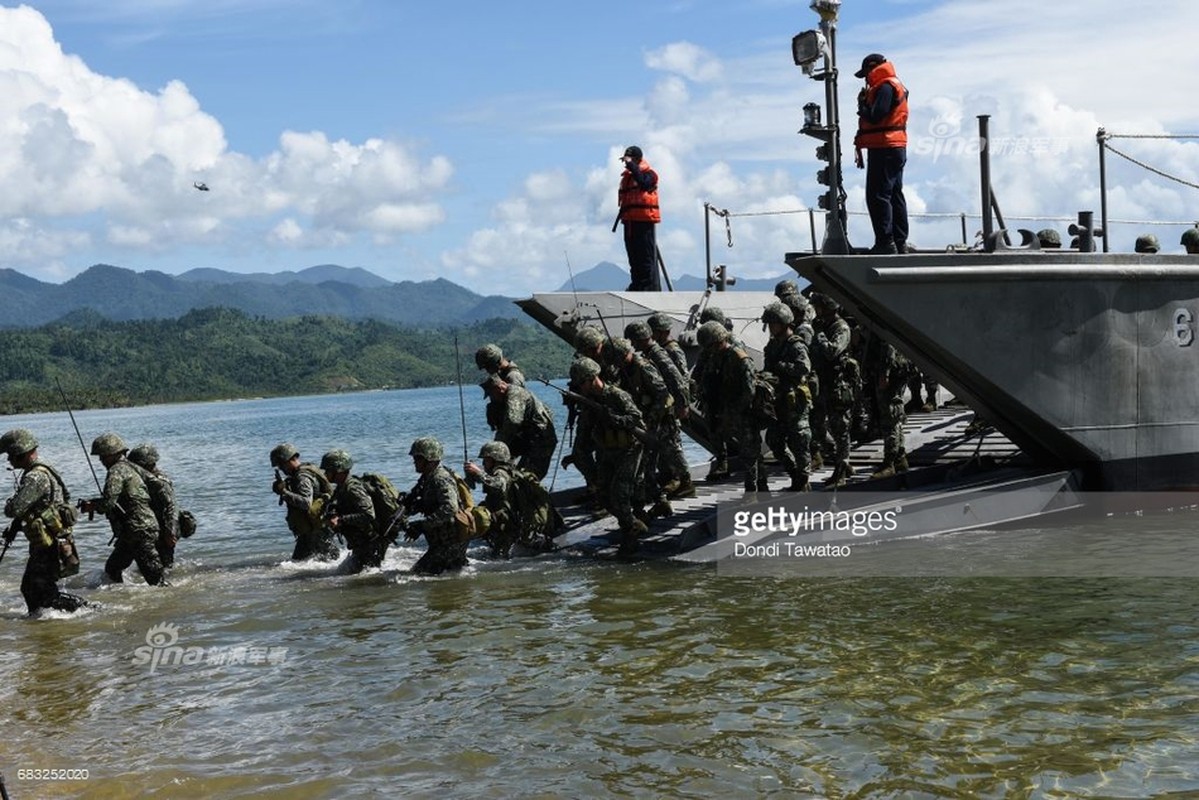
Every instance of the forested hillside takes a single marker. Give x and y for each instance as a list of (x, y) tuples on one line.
[(219, 353)]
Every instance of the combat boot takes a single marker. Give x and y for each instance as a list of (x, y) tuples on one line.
[(661, 509), (817, 463), (901, 463), (887, 471), (670, 487), (799, 483), (718, 471), (686, 488), (931, 404), (628, 543)]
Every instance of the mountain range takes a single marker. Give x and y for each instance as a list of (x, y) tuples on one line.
[(121, 294)]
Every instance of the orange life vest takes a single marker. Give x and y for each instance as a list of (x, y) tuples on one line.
[(892, 129), (637, 204)]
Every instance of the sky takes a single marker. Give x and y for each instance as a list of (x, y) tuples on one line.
[(480, 142)]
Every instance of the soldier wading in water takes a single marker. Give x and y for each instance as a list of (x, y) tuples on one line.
[(305, 490), (41, 509)]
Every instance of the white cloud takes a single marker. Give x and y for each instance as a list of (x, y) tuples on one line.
[(685, 59), (77, 147)]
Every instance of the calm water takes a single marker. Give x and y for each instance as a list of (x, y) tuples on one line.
[(554, 677)]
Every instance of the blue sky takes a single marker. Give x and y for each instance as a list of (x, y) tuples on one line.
[(478, 141)]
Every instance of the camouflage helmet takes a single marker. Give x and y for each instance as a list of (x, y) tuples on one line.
[(1190, 238), (785, 287), (282, 453), (489, 356), (144, 455), (637, 331), (337, 461), (583, 369), (1048, 237), (660, 322), (108, 444), (618, 349), (427, 448), (1147, 244), (710, 333), (777, 312), (18, 442), (713, 313), (497, 451), (588, 338), (824, 301)]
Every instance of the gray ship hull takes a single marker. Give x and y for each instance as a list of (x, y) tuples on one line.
[(1083, 360)]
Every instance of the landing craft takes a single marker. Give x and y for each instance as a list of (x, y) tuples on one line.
[(1081, 360)]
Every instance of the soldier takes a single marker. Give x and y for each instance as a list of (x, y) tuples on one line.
[(802, 313), (1190, 240), (525, 424), (1147, 244), (517, 515), (304, 489), (840, 381), (162, 501), (618, 450), (731, 377), (351, 513), (435, 496), (789, 435), (661, 325), (589, 343), (41, 509), (893, 368), (1049, 239), (644, 384), (490, 358), (126, 502), (707, 397), (671, 461)]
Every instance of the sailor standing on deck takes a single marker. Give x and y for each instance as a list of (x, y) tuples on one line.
[(882, 133), (639, 213)]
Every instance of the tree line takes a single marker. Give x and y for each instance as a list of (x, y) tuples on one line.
[(221, 353)]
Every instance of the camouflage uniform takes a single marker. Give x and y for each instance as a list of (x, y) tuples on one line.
[(507, 493), (435, 495), (839, 384), (789, 435), (589, 343), (126, 501), (707, 395), (526, 425), (490, 359), (162, 501), (671, 463), (661, 326), (305, 493), (38, 493), (618, 450), (893, 368), (356, 523), (731, 376), (644, 384), (802, 313)]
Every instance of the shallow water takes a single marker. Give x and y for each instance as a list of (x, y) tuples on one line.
[(558, 677)]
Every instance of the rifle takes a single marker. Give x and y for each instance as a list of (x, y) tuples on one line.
[(10, 533), (461, 401), (640, 434), (279, 478)]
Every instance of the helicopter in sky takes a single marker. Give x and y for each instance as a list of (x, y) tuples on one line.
[(203, 187)]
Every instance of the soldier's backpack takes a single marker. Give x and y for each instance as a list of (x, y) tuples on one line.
[(387, 503), (472, 520), (533, 509), (765, 387)]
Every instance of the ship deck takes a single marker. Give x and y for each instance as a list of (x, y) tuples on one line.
[(943, 456)]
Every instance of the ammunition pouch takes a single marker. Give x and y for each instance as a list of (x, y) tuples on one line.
[(68, 556)]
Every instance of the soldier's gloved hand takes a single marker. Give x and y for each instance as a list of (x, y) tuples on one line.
[(278, 487), (415, 531), (10, 533)]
